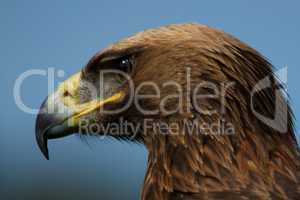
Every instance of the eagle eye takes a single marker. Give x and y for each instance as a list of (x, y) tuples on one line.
[(124, 64)]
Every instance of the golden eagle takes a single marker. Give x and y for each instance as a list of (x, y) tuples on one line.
[(177, 73)]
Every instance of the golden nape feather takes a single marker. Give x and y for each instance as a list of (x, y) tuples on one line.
[(257, 162)]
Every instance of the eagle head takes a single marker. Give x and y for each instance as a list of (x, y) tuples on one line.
[(143, 76)]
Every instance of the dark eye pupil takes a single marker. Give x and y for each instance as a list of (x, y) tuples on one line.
[(125, 65)]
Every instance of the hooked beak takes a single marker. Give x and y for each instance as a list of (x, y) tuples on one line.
[(60, 113)]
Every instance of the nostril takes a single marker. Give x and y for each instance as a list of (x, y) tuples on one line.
[(66, 93)]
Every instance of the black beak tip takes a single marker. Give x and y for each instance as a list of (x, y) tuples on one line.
[(50, 126), (40, 133), (42, 143)]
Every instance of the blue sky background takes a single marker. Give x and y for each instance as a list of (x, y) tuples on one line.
[(64, 35)]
